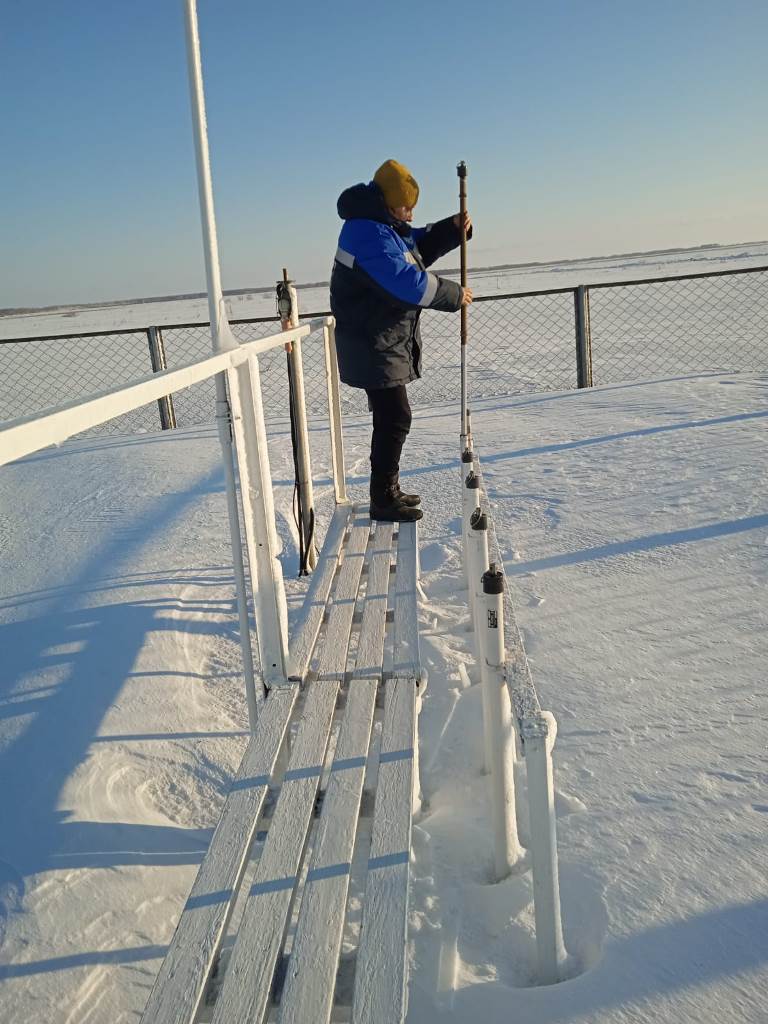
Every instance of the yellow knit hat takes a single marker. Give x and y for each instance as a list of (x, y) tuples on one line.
[(399, 186)]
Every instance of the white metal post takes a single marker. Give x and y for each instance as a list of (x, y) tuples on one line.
[(468, 441), (477, 560), (465, 468), (221, 338), (539, 735), (470, 499), (466, 463), (334, 411), (507, 849), (269, 601), (477, 565), (304, 461)]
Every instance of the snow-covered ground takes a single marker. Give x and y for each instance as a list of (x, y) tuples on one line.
[(634, 527)]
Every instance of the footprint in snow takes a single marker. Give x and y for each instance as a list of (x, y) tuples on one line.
[(433, 556)]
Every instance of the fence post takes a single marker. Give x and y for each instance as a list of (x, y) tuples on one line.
[(539, 734), (157, 358), (501, 740), (583, 337)]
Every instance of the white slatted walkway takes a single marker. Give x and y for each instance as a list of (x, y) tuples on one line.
[(270, 926), (381, 976)]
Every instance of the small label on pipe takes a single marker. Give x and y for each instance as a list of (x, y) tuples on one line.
[(493, 619)]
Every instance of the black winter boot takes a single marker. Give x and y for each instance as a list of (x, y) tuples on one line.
[(387, 507), (411, 500)]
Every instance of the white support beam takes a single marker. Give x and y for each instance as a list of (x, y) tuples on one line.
[(259, 515)]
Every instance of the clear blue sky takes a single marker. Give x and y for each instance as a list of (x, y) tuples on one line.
[(588, 127)]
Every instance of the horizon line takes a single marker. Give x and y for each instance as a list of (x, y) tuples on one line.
[(264, 289)]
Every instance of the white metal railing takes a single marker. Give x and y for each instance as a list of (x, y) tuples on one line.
[(29, 434), (244, 414), (509, 699)]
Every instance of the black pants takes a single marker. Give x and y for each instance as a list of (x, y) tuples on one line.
[(391, 423)]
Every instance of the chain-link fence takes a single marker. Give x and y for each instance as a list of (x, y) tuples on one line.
[(639, 330), (672, 327), (44, 373)]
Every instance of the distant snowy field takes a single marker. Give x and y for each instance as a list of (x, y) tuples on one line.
[(516, 345), (125, 316), (635, 530)]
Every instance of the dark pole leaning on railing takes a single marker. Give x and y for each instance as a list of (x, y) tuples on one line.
[(157, 356)]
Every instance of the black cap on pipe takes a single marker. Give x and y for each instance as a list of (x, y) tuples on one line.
[(472, 481), (493, 580), (478, 520), (467, 456)]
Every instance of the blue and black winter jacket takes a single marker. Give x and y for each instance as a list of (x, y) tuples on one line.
[(380, 284)]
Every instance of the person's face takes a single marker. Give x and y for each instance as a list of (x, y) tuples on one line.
[(402, 213)]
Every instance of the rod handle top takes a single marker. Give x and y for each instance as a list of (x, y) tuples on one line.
[(461, 170)]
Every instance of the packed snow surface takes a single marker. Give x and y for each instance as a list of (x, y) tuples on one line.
[(634, 527)]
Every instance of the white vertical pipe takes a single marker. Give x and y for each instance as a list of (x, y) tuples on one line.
[(539, 735), (506, 845), (219, 327), (470, 499), (466, 463), (465, 467), (306, 490), (477, 565), (334, 412), (259, 514), (220, 338), (416, 800)]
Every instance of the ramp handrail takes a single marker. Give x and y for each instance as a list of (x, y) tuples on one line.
[(243, 421), (30, 434)]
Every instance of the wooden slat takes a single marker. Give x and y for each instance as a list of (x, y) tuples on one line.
[(380, 995), (333, 662), (371, 640), (311, 975), (381, 976), (406, 635), (245, 992), (180, 984), (313, 610)]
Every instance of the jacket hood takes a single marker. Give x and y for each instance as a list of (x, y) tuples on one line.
[(364, 202)]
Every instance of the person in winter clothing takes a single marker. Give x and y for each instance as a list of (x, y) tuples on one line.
[(379, 285)]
